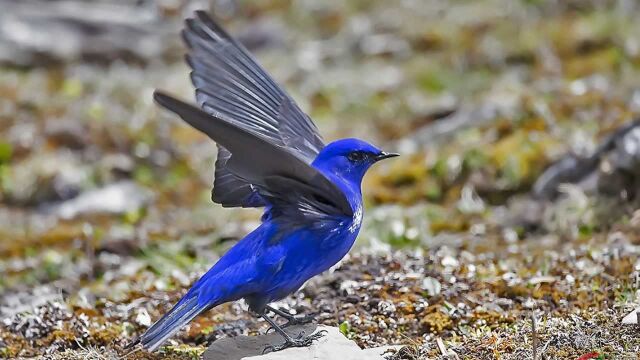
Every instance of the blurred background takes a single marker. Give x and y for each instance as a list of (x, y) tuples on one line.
[(515, 198)]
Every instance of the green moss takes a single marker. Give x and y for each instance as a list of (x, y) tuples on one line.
[(6, 150)]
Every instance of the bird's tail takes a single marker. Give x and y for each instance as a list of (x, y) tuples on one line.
[(182, 313)]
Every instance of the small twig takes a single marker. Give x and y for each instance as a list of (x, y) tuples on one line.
[(441, 347), (443, 350), (90, 351), (130, 352), (534, 336), (546, 345)]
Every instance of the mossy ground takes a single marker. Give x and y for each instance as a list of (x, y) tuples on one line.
[(454, 250)]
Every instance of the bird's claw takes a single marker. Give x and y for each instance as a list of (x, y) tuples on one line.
[(298, 341), (301, 320)]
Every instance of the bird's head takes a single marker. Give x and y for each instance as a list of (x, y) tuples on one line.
[(349, 159)]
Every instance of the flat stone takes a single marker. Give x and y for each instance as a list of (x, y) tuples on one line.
[(633, 318), (333, 345)]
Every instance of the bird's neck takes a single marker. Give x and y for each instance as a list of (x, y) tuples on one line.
[(347, 180), (351, 188)]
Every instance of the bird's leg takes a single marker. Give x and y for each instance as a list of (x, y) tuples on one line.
[(291, 319), (298, 341)]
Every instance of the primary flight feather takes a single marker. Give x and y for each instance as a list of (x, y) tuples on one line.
[(270, 155)]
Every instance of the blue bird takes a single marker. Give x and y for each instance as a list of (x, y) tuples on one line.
[(270, 155)]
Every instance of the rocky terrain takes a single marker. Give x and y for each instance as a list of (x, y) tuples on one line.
[(507, 230)]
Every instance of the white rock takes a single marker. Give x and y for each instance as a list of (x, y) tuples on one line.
[(541, 279), (450, 261), (143, 318), (117, 198), (632, 318), (333, 345), (431, 286)]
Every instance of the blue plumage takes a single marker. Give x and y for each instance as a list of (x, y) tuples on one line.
[(271, 156)]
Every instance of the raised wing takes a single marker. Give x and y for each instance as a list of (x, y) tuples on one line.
[(284, 180), (228, 189), (231, 85)]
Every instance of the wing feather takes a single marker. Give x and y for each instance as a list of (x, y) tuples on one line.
[(231, 85), (231, 191), (256, 161)]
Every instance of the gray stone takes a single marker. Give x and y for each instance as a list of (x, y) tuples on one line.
[(333, 345)]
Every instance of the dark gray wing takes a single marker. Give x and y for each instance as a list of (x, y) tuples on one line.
[(287, 182), (229, 190), (232, 86)]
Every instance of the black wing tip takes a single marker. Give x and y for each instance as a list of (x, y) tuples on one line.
[(162, 98), (174, 104), (209, 21), (203, 15), (186, 38), (203, 21), (188, 59), (199, 17), (191, 25)]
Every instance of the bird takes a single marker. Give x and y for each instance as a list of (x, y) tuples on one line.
[(270, 156)]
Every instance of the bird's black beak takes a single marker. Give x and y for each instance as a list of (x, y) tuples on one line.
[(385, 155)]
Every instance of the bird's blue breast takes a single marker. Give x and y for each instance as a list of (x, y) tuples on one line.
[(287, 257), (304, 253)]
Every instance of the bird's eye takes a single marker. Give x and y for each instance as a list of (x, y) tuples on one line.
[(356, 156)]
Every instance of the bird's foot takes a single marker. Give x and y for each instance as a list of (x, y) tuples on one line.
[(292, 319), (296, 320), (299, 320), (299, 341)]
